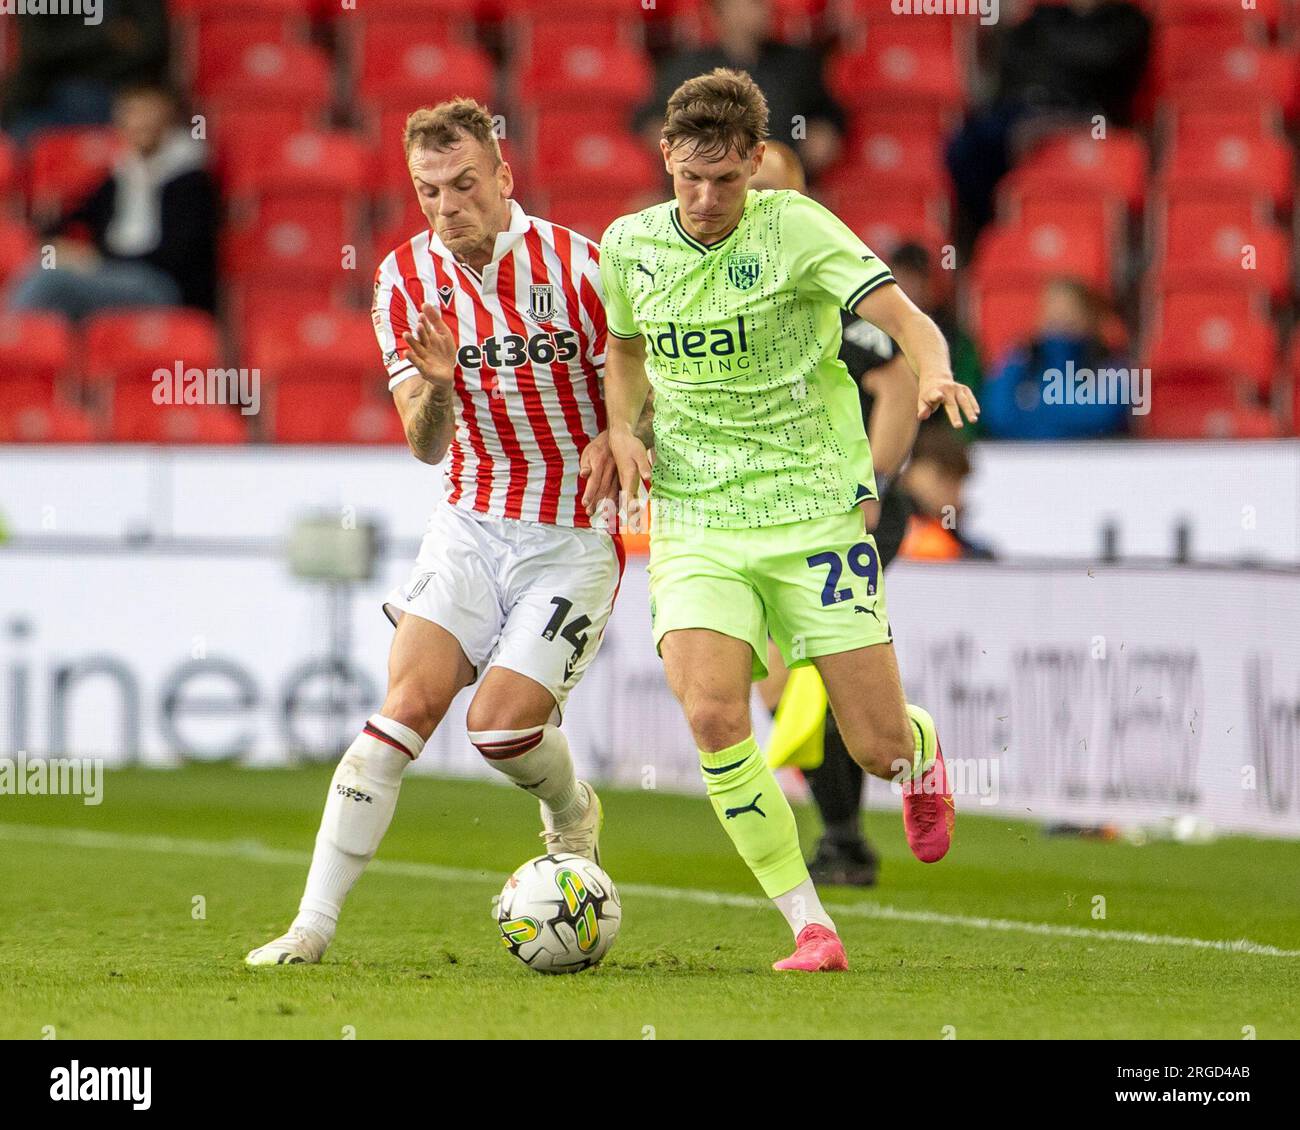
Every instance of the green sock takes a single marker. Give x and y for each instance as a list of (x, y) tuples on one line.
[(755, 814), (925, 740)]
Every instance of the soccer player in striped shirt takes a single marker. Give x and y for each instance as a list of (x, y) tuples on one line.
[(728, 302), (492, 331)]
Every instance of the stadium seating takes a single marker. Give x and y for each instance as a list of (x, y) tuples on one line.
[(308, 409), (1212, 334), (1005, 314), (1077, 164), (334, 163), (1232, 165), (1009, 254), (128, 346), (65, 165), (574, 152), (135, 417), (322, 344), (35, 347), (399, 69), (31, 411)]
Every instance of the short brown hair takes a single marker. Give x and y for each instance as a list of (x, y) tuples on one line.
[(442, 126), (717, 113)]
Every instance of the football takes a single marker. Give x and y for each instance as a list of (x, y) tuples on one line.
[(559, 913)]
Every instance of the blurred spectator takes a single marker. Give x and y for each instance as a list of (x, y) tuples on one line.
[(67, 69), (151, 223), (1063, 63), (1069, 340), (790, 77), (933, 483), (913, 268)]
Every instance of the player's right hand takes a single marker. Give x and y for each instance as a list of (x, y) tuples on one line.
[(432, 348), (631, 459)]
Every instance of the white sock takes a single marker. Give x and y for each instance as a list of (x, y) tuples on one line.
[(358, 810), (802, 907), (537, 760)]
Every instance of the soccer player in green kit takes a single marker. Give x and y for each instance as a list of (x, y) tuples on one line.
[(727, 302)]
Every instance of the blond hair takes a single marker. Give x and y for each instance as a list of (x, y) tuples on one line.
[(444, 125)]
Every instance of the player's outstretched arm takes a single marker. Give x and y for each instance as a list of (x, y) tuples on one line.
[(626, 390), (892, 429), (426, 405), (926, 351)]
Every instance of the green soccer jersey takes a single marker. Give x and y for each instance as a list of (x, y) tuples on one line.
[(757, 422)]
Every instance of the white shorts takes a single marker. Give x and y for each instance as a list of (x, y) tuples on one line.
[(527, 596)]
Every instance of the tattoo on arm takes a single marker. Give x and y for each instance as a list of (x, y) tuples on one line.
[(430, 426)]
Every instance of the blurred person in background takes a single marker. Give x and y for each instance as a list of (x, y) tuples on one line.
[(1056, 68), (1071, 324), (887, 393), (789, 76), (913, 267), (67, 69), (151, 224), (932, 483)]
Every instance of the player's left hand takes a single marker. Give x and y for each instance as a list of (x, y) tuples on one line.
[(598, 468), (956, 398)]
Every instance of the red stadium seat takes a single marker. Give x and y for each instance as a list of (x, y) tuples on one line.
[(283, 75), (127, 346), (1263, 12), (294, 240), (401, 223), (409, 67), (303, 162), (1204, 124), (589, 213), (1192, 420), (884, 222), (135, 418), (1234, 74), (1002, 318), (67, 164), (30, 412), (215, 40), (34, 346), (334, 410), (573, 64), (17, 250), (1209, 334), (10, 170), (894, 159), (1074, 164), (1232, 166), (1202, 247), (1008, 255), (329, 343), (574, 153), (257, 300), (898, 71)]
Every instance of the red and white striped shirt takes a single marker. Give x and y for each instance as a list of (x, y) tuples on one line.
[(530, 336)]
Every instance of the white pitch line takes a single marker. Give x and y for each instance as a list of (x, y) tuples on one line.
[(260, 853)]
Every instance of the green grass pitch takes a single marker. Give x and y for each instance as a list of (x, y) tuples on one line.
[(131, 919)]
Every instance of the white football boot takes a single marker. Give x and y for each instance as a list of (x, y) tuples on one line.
[(299, 946), (581, 836)]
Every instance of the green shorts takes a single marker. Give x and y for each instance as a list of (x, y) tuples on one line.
[(816, 586)]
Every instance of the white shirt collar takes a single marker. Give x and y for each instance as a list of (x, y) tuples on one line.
[(518, 227)]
